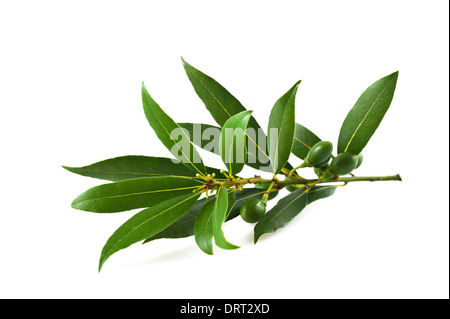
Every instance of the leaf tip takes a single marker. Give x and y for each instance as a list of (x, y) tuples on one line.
[(296, 85), (394, 75), (103, 258), (184, 63), (68, 168), (256, 238), (74, 204), (100, 265)]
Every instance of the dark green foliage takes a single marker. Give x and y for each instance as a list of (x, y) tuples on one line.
[(188, 198), (282, 213), (366, 115), (282, 122)]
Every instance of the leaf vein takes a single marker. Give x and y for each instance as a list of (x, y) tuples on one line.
[(284, 208), (176, 144), (148, 220), (306, 145), (365, 116), (140, 193)]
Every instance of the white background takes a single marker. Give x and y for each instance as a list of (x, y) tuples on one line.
[(70, 78)]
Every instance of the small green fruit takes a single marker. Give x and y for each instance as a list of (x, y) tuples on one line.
[(320, 153), (343, 164), (360, 159), (323, 165), (252, 210)]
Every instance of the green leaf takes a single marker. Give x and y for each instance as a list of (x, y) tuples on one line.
[(231, 203), (232, 141), (319, 192), (133, 193), (366, 115), (281, 129), (184, 227), (304, 140), (218, 218), (167, 131), (146, 223), (135, 166), (222, 105), (282, 213), (203, 228)]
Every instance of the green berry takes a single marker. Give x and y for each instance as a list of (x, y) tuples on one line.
[(360, 159), (323, 166), (252, 210), (343, 164), (320, 153)]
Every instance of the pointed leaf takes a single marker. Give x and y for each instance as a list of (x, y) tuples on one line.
[(365, 116), (133, 193), (135, 166), (167, 131), (281, 129), (282, 213), (219, 215), (146, 223), (304, 140), (203, 228), (222, 105), (184, 227), (232, 141)]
